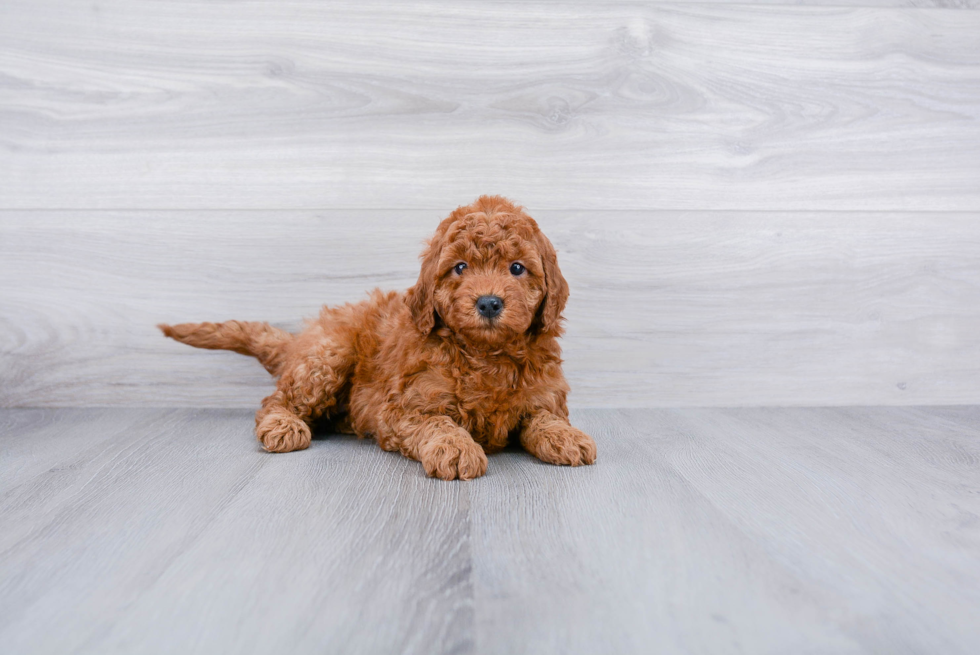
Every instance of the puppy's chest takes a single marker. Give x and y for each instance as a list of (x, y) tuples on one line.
[(490, 403)]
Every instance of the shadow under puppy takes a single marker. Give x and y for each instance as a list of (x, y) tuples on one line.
[(444, 372)]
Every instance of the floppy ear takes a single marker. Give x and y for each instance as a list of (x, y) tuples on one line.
[(556, 288), (419, 297)]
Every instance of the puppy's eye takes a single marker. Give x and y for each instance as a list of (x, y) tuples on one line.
[(517, 269), (458, 268)]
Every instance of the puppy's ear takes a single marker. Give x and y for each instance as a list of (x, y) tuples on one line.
[(419, 297), (556, 288)]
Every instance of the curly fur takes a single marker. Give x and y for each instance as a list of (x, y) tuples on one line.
[(422, 371)]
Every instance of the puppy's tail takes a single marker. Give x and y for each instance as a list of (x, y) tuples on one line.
[(260, 340)]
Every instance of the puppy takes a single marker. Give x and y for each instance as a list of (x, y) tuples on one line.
[(446, 372)]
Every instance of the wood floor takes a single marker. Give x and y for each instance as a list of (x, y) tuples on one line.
[(697, 531)]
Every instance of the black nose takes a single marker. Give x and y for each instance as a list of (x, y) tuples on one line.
[(489, 306)]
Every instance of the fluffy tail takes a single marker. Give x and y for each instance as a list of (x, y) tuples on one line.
[(260, 340)]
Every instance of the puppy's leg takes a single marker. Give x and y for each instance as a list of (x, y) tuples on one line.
[(552, 439), (445, 450), (307, 389)]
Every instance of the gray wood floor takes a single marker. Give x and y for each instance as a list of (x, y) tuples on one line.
[(698, 531)]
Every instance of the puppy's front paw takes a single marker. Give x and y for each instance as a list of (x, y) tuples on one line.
[(563, 445), (453, 456), (281, 432)]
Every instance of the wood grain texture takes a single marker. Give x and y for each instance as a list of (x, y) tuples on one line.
[(667, 308), (181, 535), (751, 530), (698, 530), (306, 104), (924, 4)]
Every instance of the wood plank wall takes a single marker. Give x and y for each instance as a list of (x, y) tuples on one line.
[(755, 204)]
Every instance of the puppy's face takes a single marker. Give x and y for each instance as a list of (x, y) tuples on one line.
[(489, 280), (489, 275)]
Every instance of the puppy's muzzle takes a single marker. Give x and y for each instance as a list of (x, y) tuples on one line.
[(489, 306)]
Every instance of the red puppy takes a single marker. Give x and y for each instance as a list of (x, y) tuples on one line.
[(444, 372)]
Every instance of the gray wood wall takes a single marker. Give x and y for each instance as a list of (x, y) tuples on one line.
[(755, 204)]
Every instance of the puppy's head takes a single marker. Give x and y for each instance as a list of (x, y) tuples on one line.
[(489, 275)]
